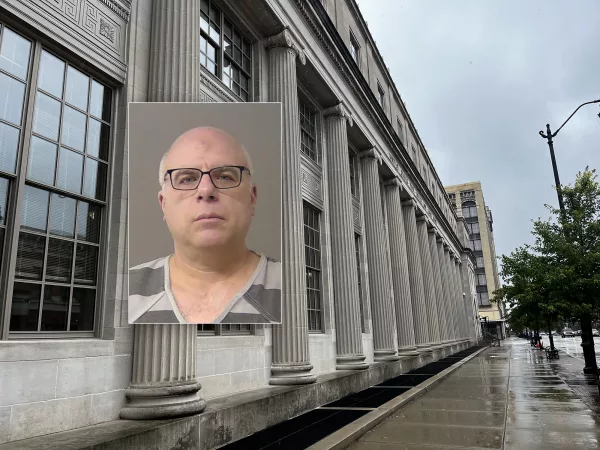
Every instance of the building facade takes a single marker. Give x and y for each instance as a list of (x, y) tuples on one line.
[(373, 266), (470, 206)]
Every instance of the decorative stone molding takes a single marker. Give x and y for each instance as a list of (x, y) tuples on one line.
[(370, 153), (123, 13), (356, 214), (207, 80), (393, 182), (286, 39), (205, 98), (107, 30), (312, 184), (339, 110)]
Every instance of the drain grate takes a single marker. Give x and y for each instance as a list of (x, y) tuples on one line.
[(368, 398), (406, 380)]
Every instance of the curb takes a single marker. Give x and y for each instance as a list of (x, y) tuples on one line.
[(347, 435)]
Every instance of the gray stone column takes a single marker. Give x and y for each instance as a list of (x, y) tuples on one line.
[(445, 293), (382, 302), (460, 301), (417, 293), (437, 283), (400, 276), (163, 380), (455, 309), (290, 357), (345, 278), (451, 322), (429, 289)]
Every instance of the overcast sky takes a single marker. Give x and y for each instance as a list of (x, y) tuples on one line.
[(481, 78)]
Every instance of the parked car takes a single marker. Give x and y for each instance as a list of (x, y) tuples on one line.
[(577, 332), (567, 332), (595, 332)]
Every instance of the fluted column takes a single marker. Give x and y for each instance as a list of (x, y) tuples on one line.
[(163, 380), (459, 300), (382, 302), (417, 293), (437, 283), (456, 317), (400, 275), (450, 284), (345, 278), (290, 357), (429, 289), (445, 318)]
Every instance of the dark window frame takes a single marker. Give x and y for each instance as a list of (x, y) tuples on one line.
[(354, 48), (226, 330), (313, 268), (358, 270), (309, 118)]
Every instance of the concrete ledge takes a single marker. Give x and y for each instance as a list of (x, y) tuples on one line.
[(232, 417), (345, 436)]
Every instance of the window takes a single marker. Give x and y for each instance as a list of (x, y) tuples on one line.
[(360, 300), (312, 252), (469, 209), (224, 51), (380, 95), (475, 244), (308, 131), (480, 262), (65, 179), (224, 330), (400, 130), (354, 49), (483, 298), (473, 227), (353, 173), (481, 281)]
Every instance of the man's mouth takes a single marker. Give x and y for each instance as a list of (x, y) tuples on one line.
[(208, 217)]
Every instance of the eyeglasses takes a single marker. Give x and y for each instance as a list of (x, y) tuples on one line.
[(225, 177)]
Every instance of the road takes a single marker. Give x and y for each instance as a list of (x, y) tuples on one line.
[(571, 345)]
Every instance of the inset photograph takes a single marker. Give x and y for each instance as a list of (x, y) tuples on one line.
[(204, 240)]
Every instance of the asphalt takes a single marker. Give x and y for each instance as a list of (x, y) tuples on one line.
[(509, 397)]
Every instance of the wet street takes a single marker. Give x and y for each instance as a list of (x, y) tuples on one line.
[(509, 398)]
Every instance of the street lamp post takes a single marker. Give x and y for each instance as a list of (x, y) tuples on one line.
[(587, 341)]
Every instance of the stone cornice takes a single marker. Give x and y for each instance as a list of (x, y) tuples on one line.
[(339, 110), (286, 39), (119, 10)]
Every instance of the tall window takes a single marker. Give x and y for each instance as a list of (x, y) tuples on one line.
[(308, 131), (380, 95), (483, 298), (473, 227), (64, 194), (360, 300), (400, 130), (481, 281), (312, 253), (354, 49), (469, 209), (353, 159), (480, 263), (224, 51)]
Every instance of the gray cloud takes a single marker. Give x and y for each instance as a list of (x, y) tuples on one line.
[(481, 78)]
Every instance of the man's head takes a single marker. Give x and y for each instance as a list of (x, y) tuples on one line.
[(206, 217)]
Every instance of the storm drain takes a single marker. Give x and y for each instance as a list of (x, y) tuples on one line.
[(306, 429)]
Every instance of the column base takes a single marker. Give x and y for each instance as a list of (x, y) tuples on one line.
[(385, 355), (407, 352), (437, 345), (351, 362), (424, 348), (162, 402), (291, 374), (446, 344)]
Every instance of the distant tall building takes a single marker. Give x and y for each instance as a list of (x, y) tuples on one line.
[(470, 205)]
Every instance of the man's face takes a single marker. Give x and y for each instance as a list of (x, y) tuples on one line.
[(185, 210)]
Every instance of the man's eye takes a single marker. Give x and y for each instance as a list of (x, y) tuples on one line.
[(187, 180), (225, 177)]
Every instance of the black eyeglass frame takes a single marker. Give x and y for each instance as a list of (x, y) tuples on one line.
[(202, 173)]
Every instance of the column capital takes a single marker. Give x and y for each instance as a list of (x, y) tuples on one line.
[(286, 39), (339, 110), (409, 202), (370, 153), (431, 228), (395, 181), (439, 238)]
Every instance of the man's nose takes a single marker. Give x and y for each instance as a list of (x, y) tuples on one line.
[(206, 188)]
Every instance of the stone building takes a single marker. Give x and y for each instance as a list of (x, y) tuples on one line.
[(372, 259), (471, 208)]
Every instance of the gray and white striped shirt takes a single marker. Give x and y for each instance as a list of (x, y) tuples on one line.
[(151, 299)]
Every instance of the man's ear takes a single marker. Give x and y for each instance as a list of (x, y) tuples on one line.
[(253, 197), (161, 200)]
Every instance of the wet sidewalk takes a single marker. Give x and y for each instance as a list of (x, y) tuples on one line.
[(505, 398)]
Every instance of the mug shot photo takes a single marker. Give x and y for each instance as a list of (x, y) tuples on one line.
[(207, 195)]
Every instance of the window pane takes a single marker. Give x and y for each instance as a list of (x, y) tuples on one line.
[(9, 141), (237, 55), (95, 179), (30, 256), (85, 264), (78, 86), (465, 212), (82, 310), (12, 93), (46, 117), (3, 206), (204, 6), (42, 161), (211, 53), (227, 46), (25, 307), (34, 214), (73, 129), (56, 308), (70, 169), (247, 48), (14, 54), (88, 222), (51, 75), (211, 67), (100, 101), (62, 216), (59, 261), (214, 32), (246, 65), (204, 22), (215, 14)]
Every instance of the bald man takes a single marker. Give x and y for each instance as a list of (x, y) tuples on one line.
[(208, 199)]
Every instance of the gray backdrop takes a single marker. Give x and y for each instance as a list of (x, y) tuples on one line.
[(152, 129)]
